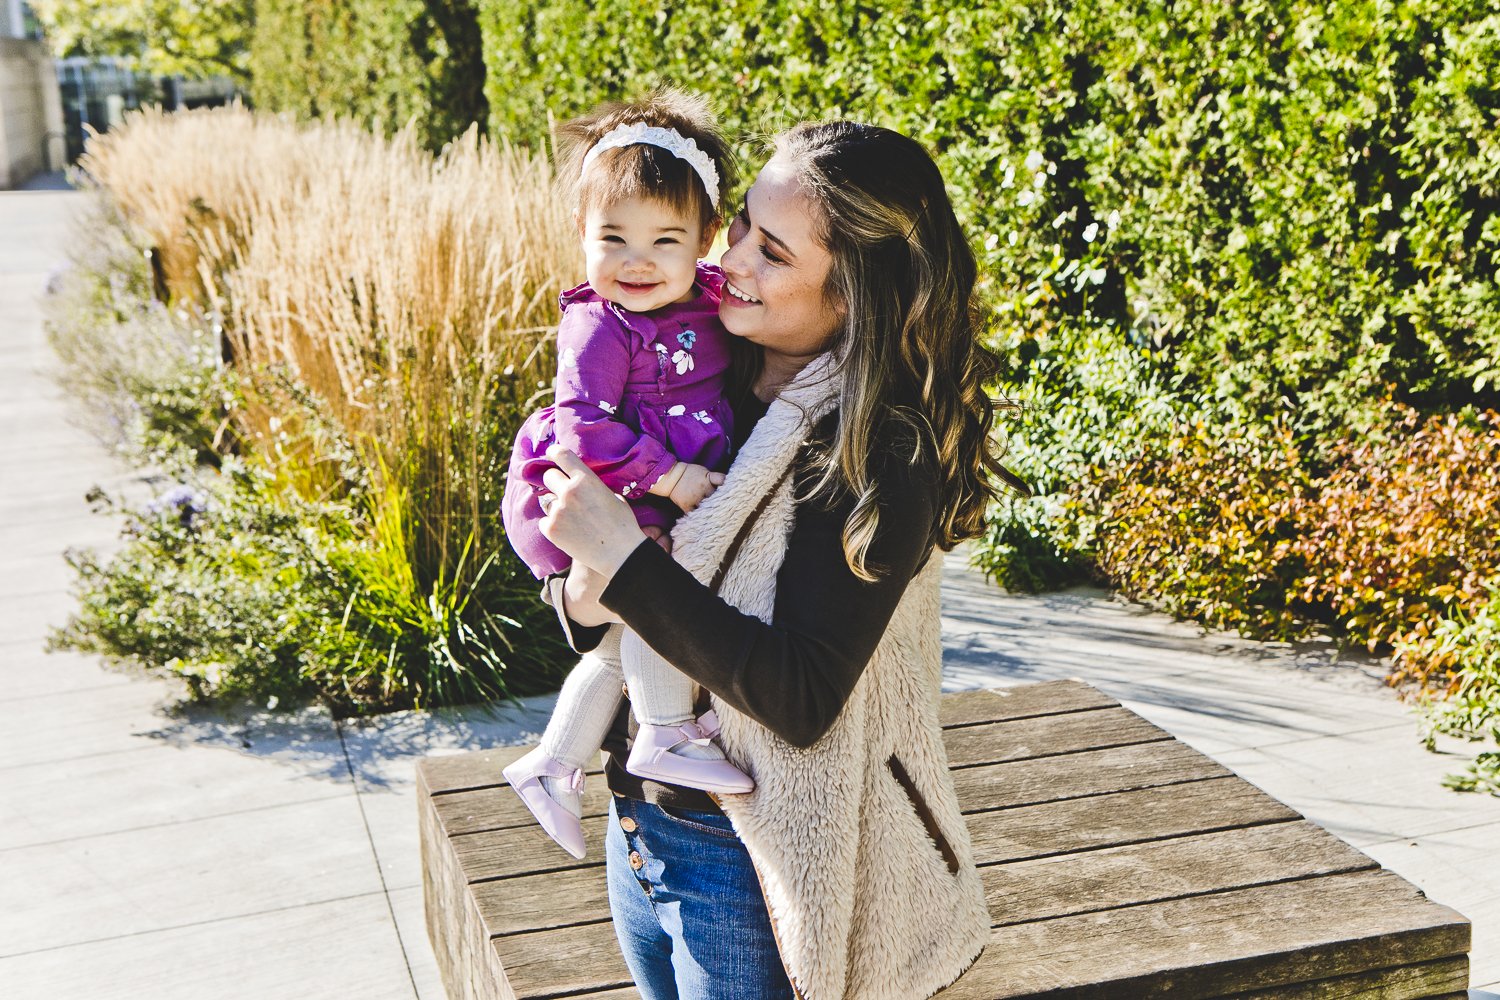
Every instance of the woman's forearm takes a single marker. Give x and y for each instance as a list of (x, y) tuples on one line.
[(795, 673)]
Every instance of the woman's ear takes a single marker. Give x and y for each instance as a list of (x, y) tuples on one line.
[(709, 232)]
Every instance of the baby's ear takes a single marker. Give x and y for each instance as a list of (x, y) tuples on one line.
[(709, 232)]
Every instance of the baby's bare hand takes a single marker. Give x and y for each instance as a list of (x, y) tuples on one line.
[(696, 485)]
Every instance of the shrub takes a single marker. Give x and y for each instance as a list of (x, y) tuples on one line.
[(146, 374), (1091, 400), (1471, 709), (216, 583), (1305, 193), (384, 319), (245, 589), (1405, 528), (385, 64), (1019, 551), (1205, 526), (1383, 540)]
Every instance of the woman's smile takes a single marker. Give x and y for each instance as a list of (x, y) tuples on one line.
[(738, 296)]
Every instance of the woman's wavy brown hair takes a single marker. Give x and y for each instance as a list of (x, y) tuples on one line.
[(903, 278)]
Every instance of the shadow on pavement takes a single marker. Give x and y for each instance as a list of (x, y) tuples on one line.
[(378, 752)]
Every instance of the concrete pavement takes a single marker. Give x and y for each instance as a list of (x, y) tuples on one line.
[(150, 850)]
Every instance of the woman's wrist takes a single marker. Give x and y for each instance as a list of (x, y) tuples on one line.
[(611, 553), (580, 593)]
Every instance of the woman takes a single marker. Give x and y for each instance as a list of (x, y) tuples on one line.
[(803, 596)]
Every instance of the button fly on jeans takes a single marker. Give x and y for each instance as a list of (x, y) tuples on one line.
[(628, 824), (635, 861)]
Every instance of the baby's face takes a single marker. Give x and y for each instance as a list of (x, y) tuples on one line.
[(641, 254)]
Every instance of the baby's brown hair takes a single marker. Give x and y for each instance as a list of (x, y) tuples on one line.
[(641, 170)]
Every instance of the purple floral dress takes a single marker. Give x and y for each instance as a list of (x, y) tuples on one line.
[(636, 393)]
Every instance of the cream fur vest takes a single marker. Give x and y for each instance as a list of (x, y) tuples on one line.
[(862, 854)]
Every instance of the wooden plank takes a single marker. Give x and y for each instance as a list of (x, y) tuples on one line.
[(563, 962), (1019, 892), (525, 850), (629, 993), (1091, 772), (1437, 980), (1124, 818), (540, 902), (1224, 944), (479, 769), (965, 708), (1066, 884), (540, 886), (460, 941), (1046, 736), (499, 807)]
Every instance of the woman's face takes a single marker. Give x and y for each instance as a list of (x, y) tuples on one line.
[(776, 269)]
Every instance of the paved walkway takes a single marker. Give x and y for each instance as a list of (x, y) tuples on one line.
[(148, 851)]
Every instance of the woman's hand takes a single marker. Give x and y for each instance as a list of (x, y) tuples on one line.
[(583, 589), (581, 593), (584, 517)]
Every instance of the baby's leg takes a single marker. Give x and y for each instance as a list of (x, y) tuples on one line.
[(660, 694), (549, 779), (587, 704), (670, 746)]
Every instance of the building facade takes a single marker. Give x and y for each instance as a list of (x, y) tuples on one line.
[(31, 119)]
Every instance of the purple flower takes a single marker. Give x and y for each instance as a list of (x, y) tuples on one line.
[(183, 501)]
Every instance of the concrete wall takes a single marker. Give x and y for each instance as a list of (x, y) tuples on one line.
[(31, 122)]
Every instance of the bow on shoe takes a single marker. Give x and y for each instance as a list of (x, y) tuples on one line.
[(708, 724), (573, 780), (694, 734)]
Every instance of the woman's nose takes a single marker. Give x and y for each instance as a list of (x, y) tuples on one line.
[(733, 261)]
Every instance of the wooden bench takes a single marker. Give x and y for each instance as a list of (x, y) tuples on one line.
[(1118, 862)]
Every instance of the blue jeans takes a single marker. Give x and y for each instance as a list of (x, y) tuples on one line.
[(691, 919)]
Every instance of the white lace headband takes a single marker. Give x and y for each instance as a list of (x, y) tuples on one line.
[(669, 139)]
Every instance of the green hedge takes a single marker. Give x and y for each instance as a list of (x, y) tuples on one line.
[(384, 62), (1268, 211), (1305, 192)]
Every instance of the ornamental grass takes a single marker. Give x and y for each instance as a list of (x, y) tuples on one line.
[(383, 319)]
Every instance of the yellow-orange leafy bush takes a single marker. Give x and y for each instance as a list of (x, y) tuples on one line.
[(1404, 531), (1205, 526), (1382, 540)]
